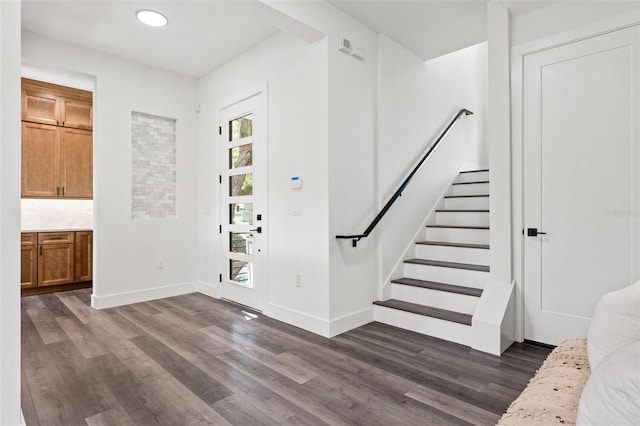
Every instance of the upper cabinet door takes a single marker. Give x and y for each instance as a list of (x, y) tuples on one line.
[(39, 107), (77, 113), (76, 162), (40, 160)]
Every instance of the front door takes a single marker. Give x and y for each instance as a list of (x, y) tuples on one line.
[(243, 201), (581, 180)]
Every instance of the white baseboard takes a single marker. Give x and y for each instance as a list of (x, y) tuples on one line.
[(211, 290), (119, 299), (350, 321), (298, 319)]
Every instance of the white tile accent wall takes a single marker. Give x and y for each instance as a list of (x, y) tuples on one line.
[(154, 166), (39, 214)]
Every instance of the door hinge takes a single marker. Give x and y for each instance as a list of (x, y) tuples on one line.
[(220, 278), (220, 228), (219, 130)]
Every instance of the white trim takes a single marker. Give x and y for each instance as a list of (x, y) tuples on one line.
[(350, 321), (518, 54), (577, 34), (208, 289), (127, 298), (299, 319)]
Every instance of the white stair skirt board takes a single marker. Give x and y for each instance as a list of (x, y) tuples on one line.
[(471, 189), (467, 203), (458, 218), (473, 177), (474, 256), (439, 274), (458, 235), (435, 298), (447, 330)]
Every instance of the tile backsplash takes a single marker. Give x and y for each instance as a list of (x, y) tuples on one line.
[(37, 214)]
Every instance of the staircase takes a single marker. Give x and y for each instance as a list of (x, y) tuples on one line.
[(442, 285)]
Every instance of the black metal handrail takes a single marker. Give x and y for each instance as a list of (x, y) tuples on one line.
[(398, 193)]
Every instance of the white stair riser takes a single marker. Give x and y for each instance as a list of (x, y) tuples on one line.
[(471, 189), (462, 218), (467, 203), (453, 254), (458, 235), (473, 177), (435, 298), (447, 330), (439, 274)]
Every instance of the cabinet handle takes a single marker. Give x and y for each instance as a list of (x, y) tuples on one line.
[(63, 191), (55, 238), (57, 191), (40, 250)]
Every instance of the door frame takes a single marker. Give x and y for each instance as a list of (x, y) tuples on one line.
[(230, 100), (518, 54)]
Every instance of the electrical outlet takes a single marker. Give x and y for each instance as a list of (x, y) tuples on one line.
[(160, 263), (298, 280)]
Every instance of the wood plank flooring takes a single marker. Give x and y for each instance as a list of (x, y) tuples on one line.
[(194, 360)]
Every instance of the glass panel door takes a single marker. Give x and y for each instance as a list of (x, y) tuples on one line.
[(240, 177)]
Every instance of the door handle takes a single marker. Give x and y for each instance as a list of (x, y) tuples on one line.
[(258, 230), (533, 232)]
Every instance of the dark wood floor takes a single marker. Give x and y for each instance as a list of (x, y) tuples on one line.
[(194, 360)]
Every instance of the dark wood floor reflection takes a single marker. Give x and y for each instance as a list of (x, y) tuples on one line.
[(192, 359)]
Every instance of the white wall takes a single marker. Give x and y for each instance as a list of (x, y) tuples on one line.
[(417, 100), (9, 213), (296, 74), (126, 250)]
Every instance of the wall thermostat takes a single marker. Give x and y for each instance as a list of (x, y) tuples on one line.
[(296, 182)]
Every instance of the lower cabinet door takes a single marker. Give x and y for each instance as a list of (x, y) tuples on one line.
[(28, 266), (84, 258), (55, 264)]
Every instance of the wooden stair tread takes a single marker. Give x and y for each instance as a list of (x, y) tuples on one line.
[(475, 171), (447, 244), (458, 227), (470, 183), (427, 311), (468, 266), (466, 196), (462, 211), (449, 288)]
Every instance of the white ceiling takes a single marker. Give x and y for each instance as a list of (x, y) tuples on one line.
[(430, 28), (204, 34), (200, 36)]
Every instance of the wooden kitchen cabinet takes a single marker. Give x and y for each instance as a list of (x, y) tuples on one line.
[(57, 141), (28, 260), (83, 256), (76, 163), (62, 260), (76, 113), (40, 160), (55, 258), (39, 106), (47, 103)]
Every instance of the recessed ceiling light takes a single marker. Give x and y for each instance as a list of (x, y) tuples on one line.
[(151, 17)]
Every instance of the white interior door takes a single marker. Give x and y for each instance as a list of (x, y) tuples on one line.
[(581, 180), (243, 201)]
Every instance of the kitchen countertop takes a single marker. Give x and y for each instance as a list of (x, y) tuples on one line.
[(30, 231)]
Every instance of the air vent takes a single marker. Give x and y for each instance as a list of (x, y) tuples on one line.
[(345, 46)]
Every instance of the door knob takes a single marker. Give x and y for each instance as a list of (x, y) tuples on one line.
[(533, 232), (258, 230)]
